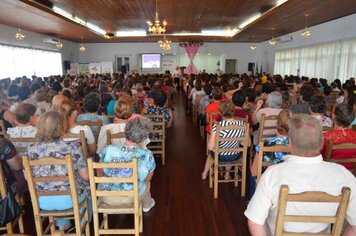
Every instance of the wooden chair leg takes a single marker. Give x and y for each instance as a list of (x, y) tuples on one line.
[(21, 226), (216, 178), (96, 222), (236, 176), (106, 221), (51, 222), (141, 219), (10, 228), (86, 217), (38, 223)]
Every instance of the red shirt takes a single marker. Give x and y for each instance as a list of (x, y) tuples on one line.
[(339, 136), (212, 107), (242, 113)]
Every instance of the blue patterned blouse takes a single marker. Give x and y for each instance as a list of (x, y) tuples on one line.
[(274, 157)]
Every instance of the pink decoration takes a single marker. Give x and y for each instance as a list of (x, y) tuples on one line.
[(191, 50)]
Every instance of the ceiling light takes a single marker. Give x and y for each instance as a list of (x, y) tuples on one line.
[(280, 2), (19, 36), (133, 33), (253, 47), (273, 41), (109, 35), (156, 27), (209, 54), (165, 44), (59, 44), (306, 32), (81, 48), (249, 20)]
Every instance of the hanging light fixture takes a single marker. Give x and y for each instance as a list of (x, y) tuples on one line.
[(273, 41), (19, 36), (81, 48), (59, 44), (306, 32), (109, 35), (156, 27), (253, 47), (165, 44)]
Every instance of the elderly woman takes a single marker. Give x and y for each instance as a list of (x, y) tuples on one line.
[(123, 113), (49, 133), (274, 103), (342, 117), (318, 107), (226, 110), (136, 131)]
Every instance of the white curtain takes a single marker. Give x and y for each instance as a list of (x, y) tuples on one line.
[(329, 61), (286, 62), (17, 62), (348, 60)]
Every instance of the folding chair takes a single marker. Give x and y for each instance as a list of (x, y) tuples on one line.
[(311, 197), (79, 210), (99, 207)]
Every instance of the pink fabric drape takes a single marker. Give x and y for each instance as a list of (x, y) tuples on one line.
[(191, 50)]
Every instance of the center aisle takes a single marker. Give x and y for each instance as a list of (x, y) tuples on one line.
[(184, 203)]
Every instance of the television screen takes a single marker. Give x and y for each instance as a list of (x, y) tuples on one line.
[(151, 61)]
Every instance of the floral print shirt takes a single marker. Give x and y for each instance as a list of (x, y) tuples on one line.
[(151, 110), (58, 149), (274, 157), (125, 153)]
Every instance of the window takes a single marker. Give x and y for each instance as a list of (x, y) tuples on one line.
[(329, 61), (17, 62)]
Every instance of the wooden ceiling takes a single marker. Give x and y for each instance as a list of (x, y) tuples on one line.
[(181, 15)]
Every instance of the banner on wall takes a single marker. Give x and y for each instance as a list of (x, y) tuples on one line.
[(84, 69), (107, 67), (74, 69), (94, 68), (168, 63)]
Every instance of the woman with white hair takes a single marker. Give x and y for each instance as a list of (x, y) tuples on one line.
[(273, 106)]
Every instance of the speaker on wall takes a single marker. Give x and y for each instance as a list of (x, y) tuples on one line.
[(251, 66), (66, 65)]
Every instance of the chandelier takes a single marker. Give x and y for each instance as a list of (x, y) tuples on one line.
[(59, 44), (19, 35), (253, 46), (165, 44), (306, 32), (82, 48), (156, 28), (273, 41)]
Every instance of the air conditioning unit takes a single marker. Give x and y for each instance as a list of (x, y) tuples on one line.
[(284, 39), (50, 40)]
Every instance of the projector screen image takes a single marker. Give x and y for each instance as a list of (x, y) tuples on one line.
[(151, 61)]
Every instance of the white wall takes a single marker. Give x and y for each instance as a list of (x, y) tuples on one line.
[(96, 52), (70, 50), (337, 30)]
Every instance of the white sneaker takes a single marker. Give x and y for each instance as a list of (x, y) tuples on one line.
[(150, 207)]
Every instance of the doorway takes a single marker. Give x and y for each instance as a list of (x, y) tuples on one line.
[(230, 66)]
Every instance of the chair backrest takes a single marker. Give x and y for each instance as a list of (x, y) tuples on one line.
[(243, 139), (312, 197), (95, 180), (3, 188), (32, 181), (83, 142), (245, 119), (158, 121), (2, 128), (341, 160), (110, 136), (20, 149), (263, 149), (110, 118), (212, 118), (89, 123), (271, 129)]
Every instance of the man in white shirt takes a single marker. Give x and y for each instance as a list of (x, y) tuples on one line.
[(303, 170)]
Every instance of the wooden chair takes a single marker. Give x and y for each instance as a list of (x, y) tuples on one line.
[(110, 136), (212, 119), (343, 146), (2, 128), (99, 207), (264, 149), (83, 141), (110, 118), (158, 146), (9, 227), (238, 167), (313, 197), (20, 149), (79, 210), (91, 124), (263, 127)]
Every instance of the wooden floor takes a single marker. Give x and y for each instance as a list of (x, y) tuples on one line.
[(184, 203)]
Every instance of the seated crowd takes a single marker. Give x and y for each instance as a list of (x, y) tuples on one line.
[(309, 113)]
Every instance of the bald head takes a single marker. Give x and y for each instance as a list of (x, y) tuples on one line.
[(305, 134), (57, 101)]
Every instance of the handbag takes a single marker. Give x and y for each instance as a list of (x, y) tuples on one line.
[(9, 209)]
